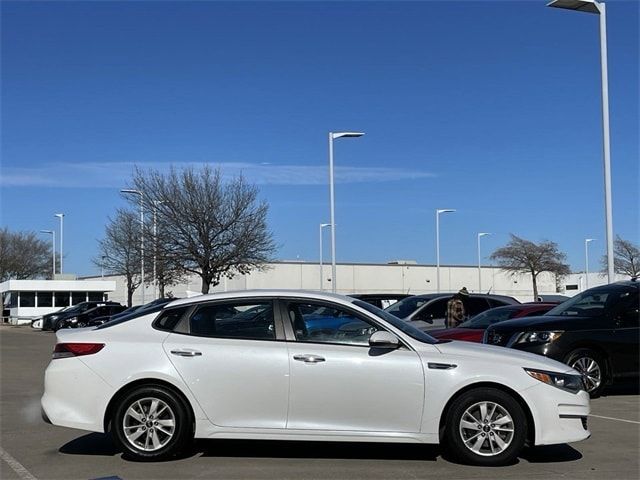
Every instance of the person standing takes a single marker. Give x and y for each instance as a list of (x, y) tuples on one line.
[(456, 312)]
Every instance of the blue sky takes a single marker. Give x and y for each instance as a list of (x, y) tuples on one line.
[(491, 108)]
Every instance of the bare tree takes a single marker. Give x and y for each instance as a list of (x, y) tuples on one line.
[(626, 258), (213, 227), (119, 251), (23, 255), (168, 271), (524, 256)]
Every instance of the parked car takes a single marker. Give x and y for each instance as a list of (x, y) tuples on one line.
[(83, 319), (50, 321), (151, 307), (596, 332), (428, 311), (246, 365), (473, 329), (380, 300)]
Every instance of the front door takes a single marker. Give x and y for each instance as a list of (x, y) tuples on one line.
[(232, 362), (338, 383)]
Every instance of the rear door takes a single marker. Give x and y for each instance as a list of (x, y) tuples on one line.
[(232, 356)]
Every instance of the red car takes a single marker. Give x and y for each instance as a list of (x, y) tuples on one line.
[(473, 329)]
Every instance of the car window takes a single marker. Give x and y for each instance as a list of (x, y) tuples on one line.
[(170, 318), (628, 312), (436, 309), (251, 321), (475, 305), (322, 324), (592, 303), (406, 307)]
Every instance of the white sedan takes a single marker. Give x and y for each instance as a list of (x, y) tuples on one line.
[(295, 365)]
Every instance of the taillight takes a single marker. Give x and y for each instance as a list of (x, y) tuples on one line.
[(65, 350)]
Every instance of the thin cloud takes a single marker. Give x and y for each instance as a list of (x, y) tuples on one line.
[(117, 174)]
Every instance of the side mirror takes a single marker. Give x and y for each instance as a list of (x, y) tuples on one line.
[(382, 339)]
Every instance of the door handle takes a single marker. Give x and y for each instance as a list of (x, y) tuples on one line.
[(309, 358), (186, 353)]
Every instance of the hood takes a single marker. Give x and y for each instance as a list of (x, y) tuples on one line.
[(548, 322), (499, 355)]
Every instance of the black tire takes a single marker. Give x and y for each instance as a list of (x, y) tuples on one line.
[(176, 411), (584, 357), (456, 436)]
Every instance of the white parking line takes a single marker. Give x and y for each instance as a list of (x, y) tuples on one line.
[(617, 419), (17, 467)]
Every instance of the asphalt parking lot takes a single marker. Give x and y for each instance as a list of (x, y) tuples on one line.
[(31, 449)]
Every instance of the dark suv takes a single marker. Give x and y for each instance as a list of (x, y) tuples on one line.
[(85, 318), (596, 332), (430, 310)]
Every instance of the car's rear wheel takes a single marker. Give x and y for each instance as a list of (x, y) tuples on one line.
[(485, 426), (151, 423), (591, 366)]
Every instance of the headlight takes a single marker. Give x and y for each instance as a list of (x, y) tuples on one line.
[(538, 337), (564, 381)]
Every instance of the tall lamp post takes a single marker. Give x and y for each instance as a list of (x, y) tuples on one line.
[(480, 235), (322, 225), (155, 247), (438, 212), (53, 251), (587, 241), (599, 8), (61, 217), (139, 193), (332, 137)]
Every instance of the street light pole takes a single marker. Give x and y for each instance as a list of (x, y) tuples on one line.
[(480, 235), (155, 248), (53, 251), (322, 225), (438, 212), (61, 217), (332, 137), (591, 6), (139, 193), (586, 260)]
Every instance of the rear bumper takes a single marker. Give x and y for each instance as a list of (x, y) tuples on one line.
[(74, 396)]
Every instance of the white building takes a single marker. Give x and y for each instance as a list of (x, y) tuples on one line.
[(401, 277), (25, 300)]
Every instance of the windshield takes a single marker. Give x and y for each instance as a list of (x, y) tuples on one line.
[(592, 303), (489, 317), (406, 307), (401, 325)]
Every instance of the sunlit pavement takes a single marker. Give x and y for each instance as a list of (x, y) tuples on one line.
[(31, 449)]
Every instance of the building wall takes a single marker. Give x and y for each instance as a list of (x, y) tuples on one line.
[(375, 278)]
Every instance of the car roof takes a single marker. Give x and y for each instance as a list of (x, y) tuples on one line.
[(240, 294)]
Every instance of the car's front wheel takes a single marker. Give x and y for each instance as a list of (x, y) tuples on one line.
[(591, 366), (485, 426), (151, 423)]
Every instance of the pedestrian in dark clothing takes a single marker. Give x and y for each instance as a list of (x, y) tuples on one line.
[(456, 313)]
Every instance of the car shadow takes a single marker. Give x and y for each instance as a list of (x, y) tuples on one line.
[(101, 444), (551, 454)]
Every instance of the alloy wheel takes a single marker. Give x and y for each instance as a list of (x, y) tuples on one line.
[(590, 371), (486, 428), (149, 424)]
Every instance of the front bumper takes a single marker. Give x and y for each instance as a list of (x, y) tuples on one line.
[(559, 416)]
